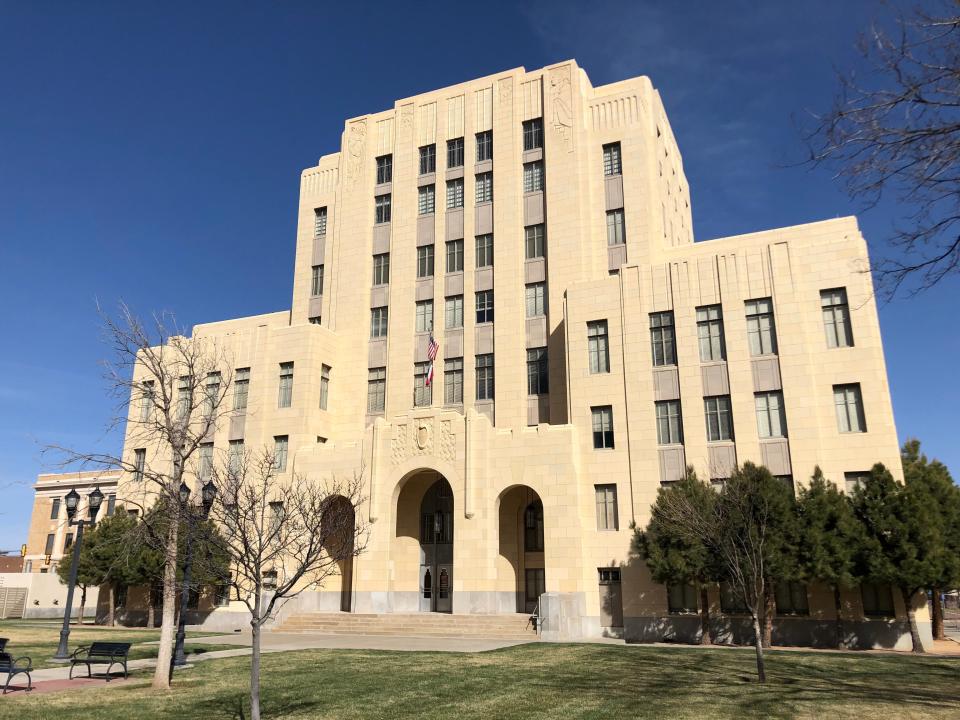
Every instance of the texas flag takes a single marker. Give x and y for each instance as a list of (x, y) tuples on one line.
[(432, 349)]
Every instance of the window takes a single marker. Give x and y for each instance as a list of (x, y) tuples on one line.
[(211, 394), (382, 208), (139, 463), (384, 169), (48, 549), (877, 600), (281, 444), (55, 509), (719, 419), (319, 222), (615, 233), (285, 393), (425, 261), (682, 599), (538, 382), (710, 333), (771, 419), (791, 598), (316, 283), (205, 461), (315, 320), (485, 306), (455, 153), (424, 316), (376, 389), (453, 381), (378, 322), (761, 333), (269, 580), (147, 401), (426, 199), (730, 601), (485, 376), (608, 576), (454, 312), (533, 176), (533, 527), (669, 422), (184, 398), (422, 392), (597, 347), (455, 193), (853, 480), (67, 541), (484, 183), (111, 504), (661, 339), (536, 299), (428, 159), (602, 426), (324, 386), (484, 250), (836, 317), (235, 457), (535, 242), (455, 256), (533, 134), (606, 497), (241, 388), (485, 145), (611, 159), (381, 269), (849, 404)]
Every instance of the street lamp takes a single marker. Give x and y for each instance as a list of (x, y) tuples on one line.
[(207, 495), (72, 500)]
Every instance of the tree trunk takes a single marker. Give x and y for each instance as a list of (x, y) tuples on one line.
[(838, 608), (161, 675), (705, 638), (255, 660), (83, 602), (151, 610), (937, 614), (110, 610), (758, 645), (912, 616), (769, 609)]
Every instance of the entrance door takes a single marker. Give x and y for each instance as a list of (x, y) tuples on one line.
[(436, 549), (611, 598), (536, 586)]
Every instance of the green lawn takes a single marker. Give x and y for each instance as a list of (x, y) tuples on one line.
[(533, 681)]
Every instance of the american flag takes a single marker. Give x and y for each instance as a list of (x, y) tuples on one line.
[(432, 349)]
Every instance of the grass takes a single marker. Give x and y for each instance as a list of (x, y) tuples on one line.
[(39, 640), (532, 681)]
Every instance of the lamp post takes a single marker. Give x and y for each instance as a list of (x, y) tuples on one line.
[(72, 500), (207, 494)]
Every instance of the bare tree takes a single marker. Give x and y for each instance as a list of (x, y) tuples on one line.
[(897, 131), (283, 536), (170, 393)]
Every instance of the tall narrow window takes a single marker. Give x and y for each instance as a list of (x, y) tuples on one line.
[(235, 458), (319, 222), (836, 317), (455, 193), (662, 339), (484, 183), (771, 418), (535, 242), (422, 392), (710, 333), (719, 419), (455, 256), (606, 497), (485, 306), (324, 386), (281, 444), (111, 504), (453, 312), (211, 394), (384, 169), (669, 423), (453, 381), (533, 176), (316, 282), (611, 159), (849, 404), (378, 322), (205, 469), (285, 393), (536, 296), (139, 463), (484, 250), (426, 199), (382, 208), (55, 509), (381, 269), (424, 316), (241, 388), (485, 145), (533, 527), (428, 159), (455, 153), (538, 376), (184, 398), (602, 421), (48, 548), (761, 332), (424, 261), (376, 389), (597, 347), (615, 232), (532, 134), (485, 376), (147, 400)]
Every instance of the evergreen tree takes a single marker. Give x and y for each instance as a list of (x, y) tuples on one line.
[(89, 572)]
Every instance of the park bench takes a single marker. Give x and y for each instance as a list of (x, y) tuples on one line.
[(3, 643), (101, 653), (11, 667)]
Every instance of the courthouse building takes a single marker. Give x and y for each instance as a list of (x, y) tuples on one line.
[(500, 314)]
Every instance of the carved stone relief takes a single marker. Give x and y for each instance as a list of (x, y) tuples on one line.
[(561, 105), (356, 144)]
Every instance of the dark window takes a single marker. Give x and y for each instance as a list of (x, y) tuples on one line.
[(611, 159), (455, 153), (661, 338), (485, 377), (428, 159), (381, 269), (485, 306), (877, 600), (731, 603), (455, 256), (533, 527), (836, 317), (485, 145), (484, 250), (384, 169), (535, 241), (719, 418), (533, 134), (602, 420), (316, 282), (710, 333), (791, 598), (682, 599), (55, 509), (537, 371), (597, 346), (382, 213)]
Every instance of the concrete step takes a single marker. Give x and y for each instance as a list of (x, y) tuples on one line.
[(424, 624)]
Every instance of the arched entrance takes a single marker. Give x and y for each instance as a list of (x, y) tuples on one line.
[(338, 526), (436, 548), (521, 546)]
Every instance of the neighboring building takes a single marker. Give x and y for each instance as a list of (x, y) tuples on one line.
[(540, 230)]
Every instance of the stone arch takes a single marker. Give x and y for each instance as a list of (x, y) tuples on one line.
[(338, 526), (521, 570)]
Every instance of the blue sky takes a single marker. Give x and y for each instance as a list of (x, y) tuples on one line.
[(152, 151)]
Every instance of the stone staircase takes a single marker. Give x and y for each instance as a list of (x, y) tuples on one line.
[(500, 627)]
